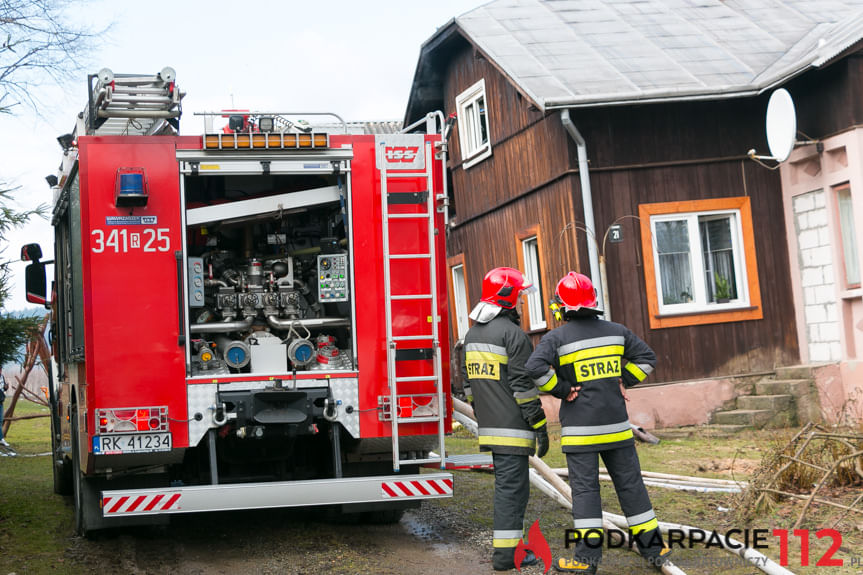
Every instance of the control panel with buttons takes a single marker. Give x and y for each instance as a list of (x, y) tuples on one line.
[(332, 278), (196, 282)]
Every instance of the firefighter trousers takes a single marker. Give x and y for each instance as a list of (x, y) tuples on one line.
[(511, 492), (623, 467)]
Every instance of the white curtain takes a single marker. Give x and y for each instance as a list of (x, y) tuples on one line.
[(849, 237), (718, 255), (675, 269)]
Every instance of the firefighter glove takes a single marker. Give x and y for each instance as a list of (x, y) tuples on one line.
[(541, 441)]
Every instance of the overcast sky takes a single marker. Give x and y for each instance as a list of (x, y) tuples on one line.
[(355, 58)]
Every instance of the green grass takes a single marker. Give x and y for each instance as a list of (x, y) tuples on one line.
[(35, 524)]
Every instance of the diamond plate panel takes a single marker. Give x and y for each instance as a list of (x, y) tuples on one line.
[(201, 398)]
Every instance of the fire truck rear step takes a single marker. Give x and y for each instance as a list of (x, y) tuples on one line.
[(238, 496)]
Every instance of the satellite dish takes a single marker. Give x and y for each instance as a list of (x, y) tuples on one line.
[(781, 125)]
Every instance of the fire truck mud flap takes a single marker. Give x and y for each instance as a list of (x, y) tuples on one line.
[(231, 497)]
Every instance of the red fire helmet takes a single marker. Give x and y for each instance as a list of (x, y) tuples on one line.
[(576, 291), (502, 286)]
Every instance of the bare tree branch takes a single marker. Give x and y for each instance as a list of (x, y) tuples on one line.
[(39, 45)]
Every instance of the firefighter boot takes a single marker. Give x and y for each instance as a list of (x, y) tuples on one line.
[(574, 566), (657, 561), (500, 564)]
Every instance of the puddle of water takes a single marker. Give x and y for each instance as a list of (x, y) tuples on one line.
[(425, 532)]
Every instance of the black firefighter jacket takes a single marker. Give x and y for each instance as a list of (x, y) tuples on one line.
[(505, 399), (593, 354)]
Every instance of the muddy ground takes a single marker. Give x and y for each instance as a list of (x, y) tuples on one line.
[(429, 540)]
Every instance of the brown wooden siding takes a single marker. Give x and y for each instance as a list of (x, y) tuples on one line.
[(519, 140), (704, 350), (489, 242), (828, 101), (508, 111), (638, 154)]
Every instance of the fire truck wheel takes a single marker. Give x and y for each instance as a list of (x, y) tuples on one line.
[(84, 495), (61, 465)]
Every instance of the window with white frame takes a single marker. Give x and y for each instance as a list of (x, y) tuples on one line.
[(699, 259), (460, 300), (473, 125), (530, 251), (849, 236)]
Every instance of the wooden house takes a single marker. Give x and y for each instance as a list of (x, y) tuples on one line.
[(632, 123)]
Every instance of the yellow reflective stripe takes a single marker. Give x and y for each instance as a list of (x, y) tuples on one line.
[(595, 439), (539, 424), (636, 371), (589, 532), (486, 356), (646, 526), (510, 441), (526, 400), (591, 352), (549, 385), (505, 542)]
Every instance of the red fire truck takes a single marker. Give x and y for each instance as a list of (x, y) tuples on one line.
[(249, 318)]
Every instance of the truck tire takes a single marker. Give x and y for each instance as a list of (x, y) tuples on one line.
[(384, 516), (61, 465), (85, 497)]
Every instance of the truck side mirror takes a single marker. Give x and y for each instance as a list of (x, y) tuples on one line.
[(31, 253), (35, 284)]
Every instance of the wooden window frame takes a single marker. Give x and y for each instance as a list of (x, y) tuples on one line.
[(471, 155), (451, 262), (520, 237), (659, 321)]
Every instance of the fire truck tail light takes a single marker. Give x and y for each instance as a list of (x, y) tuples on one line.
[(132, 420)]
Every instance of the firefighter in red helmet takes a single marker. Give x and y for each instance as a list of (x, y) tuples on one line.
[(509, 413), (587, 363)]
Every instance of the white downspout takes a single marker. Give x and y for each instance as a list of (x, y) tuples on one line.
[(587, 201)]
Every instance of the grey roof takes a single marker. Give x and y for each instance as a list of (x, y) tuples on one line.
[(565, 53)]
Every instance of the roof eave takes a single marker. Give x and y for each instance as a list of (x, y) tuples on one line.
[(743, 91), (428, 47)]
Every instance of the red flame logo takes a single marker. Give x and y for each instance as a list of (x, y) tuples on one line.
[(537, 544)]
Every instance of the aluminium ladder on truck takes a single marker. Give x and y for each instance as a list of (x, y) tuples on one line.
[(131, 104), (412, 408)]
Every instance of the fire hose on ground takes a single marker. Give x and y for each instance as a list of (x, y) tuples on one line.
[(652, 479), (549, 482)]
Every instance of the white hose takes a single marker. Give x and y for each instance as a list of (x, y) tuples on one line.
[(540, 483), (468, 423), (752, 556), (669, 478), (757, 559), (544, 478)]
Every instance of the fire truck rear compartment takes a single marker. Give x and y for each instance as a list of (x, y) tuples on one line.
[(269, 274)]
